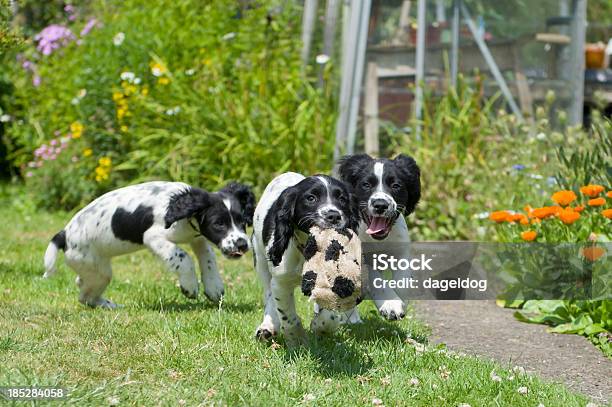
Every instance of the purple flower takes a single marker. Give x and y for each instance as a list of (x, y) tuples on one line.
[(53, 37), (29, 174), (27, 65), (36, 80), (518, 167), (88, 27), (69, 8), (53, 142)]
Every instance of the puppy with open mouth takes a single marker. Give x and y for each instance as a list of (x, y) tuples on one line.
[(158, 216), (387, 190)]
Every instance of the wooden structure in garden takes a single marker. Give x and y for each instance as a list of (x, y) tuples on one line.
[(416, 56)]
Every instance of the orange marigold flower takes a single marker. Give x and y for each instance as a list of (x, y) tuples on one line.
[(516, 217), (578, 208), (564, 198), (607, 213), (597, 202), (536, 220), (593, 253), (529, 235), (592, 190), (568, 216), (499, 216), (609, 194), (541, 213)]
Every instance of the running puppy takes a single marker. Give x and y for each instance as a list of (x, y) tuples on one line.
[(158, 216), (289, 207), (387, 190)]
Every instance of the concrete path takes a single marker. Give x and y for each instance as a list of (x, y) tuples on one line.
[(484, 329)]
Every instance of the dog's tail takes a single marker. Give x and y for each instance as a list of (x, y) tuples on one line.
[(57, 243)]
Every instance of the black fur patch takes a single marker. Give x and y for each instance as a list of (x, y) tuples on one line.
[(186, 204), (310, 247), (333, 250), (59, 240), (343, 287), (131, 226), (308, 282)]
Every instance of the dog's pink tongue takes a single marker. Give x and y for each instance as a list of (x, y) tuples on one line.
[(377, 225)]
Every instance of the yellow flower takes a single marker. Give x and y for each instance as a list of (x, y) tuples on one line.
[(87, 152), (117, 96), (145, 90), (124, 128), (105, 162), (163, 81), (158, 69), (76, 129), (121, 112)]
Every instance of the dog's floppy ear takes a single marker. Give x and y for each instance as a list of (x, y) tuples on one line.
[(283, 211), (245, 196), (351, 167), (411, 176), (354, 216), (186, 204)]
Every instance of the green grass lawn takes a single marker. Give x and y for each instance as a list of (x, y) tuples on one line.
[(163, 349)]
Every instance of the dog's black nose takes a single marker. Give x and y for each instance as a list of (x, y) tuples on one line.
[(380, 206), (333, 217), (242, 245)]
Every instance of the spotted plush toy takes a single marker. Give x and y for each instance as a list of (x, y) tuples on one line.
[(332, 271)]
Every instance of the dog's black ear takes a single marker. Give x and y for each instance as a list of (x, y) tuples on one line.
[(411, 176), (354, 217), (283, 211), (245, 196), (186, 204), (351, 166)]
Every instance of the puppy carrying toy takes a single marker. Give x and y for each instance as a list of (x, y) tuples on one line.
[(331, 275)]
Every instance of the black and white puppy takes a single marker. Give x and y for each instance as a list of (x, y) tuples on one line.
[(289, 206), (387, 190), (158, 216)]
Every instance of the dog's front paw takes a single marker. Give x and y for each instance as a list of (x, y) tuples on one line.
[(393, 310), (213, 289), (190, 293), (265, 334)]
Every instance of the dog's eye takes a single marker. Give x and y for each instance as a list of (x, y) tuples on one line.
[(396, 186), (366, 185), (311, 198), (219, 225), (342, 199)]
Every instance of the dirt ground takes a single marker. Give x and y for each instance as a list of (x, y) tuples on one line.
[(484, 329)]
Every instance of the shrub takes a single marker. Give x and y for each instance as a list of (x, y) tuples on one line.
[(473, 157), (195, 91)]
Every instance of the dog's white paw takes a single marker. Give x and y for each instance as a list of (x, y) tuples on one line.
[(265, 332), (189, 287), (213, 289), (393, 309), (325, 322)]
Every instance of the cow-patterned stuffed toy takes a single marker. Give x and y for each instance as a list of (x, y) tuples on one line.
[(331, 275)]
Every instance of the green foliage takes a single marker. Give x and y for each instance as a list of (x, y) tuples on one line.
[(590, 163), (232, 101), (472, 158), (592, 319)]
